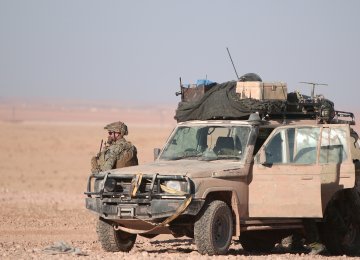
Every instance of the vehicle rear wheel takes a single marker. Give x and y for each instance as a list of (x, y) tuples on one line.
[(112, 240), (257, 241), (341, 230), (213, 230)]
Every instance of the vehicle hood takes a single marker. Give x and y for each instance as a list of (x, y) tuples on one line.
[(190, 168)]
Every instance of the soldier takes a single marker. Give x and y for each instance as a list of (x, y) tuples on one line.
[(310, 244), (117, 153), (313, 240)]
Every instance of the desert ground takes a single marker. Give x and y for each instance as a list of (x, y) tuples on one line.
[(45, 162)]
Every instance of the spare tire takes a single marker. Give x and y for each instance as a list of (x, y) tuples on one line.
[(250, 77)]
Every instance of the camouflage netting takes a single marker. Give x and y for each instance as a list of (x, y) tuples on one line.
[(222, 101)]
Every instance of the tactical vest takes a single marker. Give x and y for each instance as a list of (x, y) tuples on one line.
[(128, 157)]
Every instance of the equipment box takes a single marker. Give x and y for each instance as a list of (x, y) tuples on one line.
[(193, 92), (262, 90)]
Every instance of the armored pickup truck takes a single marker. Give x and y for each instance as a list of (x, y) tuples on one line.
[(253, 180), (247, 161)]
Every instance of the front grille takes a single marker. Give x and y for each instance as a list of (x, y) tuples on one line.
[(122, 187)]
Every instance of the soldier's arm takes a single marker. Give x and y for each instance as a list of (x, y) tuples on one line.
[(110, 160), (95, 168)]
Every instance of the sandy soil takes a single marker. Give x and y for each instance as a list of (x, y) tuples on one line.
[(43, 172)]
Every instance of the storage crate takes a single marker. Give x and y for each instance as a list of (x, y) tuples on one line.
[(194, 92), (262, 90)]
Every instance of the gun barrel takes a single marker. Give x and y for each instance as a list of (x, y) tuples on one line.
[(101, 144)]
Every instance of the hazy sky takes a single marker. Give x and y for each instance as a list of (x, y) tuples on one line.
[(137, 50)]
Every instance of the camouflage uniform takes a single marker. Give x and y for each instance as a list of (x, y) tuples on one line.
[(313, 237), (117, 154), (296, 243)]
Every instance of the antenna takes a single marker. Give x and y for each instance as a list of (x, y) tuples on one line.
[(179, 92), (237, 76), (313, 86)]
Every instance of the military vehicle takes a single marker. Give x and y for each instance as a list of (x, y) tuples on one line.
[(251, 172)]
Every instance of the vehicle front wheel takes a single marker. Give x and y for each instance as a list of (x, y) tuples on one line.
[(112, 240), (213, 230)]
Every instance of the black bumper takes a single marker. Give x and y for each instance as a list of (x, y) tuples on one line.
[(152, 211), (149, 202)]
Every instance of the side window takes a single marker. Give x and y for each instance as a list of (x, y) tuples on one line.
[(305, 145), (333, 145), (293, 145), (274, 150)]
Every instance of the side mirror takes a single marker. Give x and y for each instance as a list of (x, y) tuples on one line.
[(156, 153)]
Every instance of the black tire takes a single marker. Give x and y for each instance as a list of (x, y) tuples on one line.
[(257, 241), (112, 240), (213, 230), (341, 229)]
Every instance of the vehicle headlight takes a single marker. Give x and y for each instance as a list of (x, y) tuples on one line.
[(110, 184), (173, 185), (176, 185)]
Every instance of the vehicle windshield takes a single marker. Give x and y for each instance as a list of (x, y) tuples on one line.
[(207, 143)]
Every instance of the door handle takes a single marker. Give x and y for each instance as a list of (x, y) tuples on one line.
[(307, 178)]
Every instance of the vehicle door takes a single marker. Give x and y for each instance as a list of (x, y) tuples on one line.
[(337, 166), (286, 176)]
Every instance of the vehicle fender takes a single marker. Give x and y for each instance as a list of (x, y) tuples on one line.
[(230, 196)]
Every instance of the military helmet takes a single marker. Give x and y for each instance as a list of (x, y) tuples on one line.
[(118, 127)]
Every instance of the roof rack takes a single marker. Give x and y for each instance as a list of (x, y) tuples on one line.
[(343, 114)]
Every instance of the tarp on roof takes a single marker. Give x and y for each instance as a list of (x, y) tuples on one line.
[(222, 102)]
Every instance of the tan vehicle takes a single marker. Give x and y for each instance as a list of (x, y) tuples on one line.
[(254, 180)]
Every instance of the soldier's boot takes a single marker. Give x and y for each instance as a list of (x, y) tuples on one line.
[(316, 248), (313, 237), (292, 244), (297, 245)]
